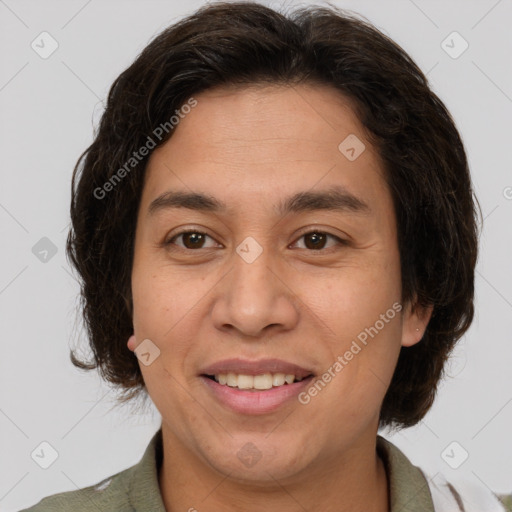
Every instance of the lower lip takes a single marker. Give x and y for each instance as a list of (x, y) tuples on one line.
[(255, 402)]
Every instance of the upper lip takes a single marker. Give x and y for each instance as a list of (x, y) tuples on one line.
[(247, 367)]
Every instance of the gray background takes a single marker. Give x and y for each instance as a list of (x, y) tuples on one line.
[(48, 110)]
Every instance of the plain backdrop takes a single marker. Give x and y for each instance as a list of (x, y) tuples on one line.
[(49, 107)]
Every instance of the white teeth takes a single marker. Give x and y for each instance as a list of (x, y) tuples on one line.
[(278, 379), (260, 382), (263, 381), (245, 382)]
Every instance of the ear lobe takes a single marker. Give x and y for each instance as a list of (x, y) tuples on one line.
[(131, 343), (414, 323)]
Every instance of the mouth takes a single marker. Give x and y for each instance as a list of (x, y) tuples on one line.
[(255, 387), (261, 382)]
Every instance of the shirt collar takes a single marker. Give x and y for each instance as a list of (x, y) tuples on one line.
[(408, 487), (144, 489)]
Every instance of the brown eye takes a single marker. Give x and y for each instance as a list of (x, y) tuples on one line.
[(193, 240), (317, 240), (190, 240)]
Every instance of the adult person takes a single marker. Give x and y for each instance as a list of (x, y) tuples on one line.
[(276, 234)]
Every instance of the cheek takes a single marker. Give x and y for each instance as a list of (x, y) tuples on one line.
[(353, 298), (160, 297), (163, 313), (360, 312), (167, 310)]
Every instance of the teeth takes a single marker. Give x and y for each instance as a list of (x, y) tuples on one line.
[(289, 379), (245, 382), (278, 379), (260, 382)]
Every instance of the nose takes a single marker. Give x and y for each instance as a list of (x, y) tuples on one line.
[(256, 298)]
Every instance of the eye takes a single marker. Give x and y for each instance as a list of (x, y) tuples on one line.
[(191, 239), (316, 240)]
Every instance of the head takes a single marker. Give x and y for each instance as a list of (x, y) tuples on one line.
[(249, 110)]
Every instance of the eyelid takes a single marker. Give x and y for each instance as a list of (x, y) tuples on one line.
[(319, 229)]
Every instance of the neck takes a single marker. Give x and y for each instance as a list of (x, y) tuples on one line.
[(354, 482)]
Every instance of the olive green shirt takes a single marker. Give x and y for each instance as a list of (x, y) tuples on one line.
[(136, 489)]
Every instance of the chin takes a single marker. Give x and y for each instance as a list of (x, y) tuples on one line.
[(257, 459)]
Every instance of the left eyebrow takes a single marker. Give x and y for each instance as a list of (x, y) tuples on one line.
[(336, 198)]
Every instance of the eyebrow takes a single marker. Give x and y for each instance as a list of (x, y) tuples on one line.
[(336, 198)]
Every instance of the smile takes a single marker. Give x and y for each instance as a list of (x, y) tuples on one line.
[(256, 382)]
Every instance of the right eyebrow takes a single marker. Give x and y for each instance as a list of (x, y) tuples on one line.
[(190, 200)]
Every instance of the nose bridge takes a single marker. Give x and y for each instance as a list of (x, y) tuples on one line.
[(253, 295), (251, 281)]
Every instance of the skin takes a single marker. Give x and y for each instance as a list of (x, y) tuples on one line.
[(252, 147)]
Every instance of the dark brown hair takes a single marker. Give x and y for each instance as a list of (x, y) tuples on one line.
[(242, 44)]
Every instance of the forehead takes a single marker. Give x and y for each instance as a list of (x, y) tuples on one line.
[(263, 142), (269, 120)]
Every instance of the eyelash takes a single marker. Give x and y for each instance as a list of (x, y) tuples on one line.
[(340, 241)]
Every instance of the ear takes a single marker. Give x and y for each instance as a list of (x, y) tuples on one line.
[(131, 343), (414, 322)]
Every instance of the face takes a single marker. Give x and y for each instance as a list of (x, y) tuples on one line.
[(289, 265)]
